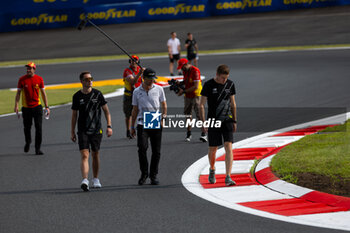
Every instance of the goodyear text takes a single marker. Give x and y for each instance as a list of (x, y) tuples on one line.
[(294, 2), (41, 19), (180, 8), (110, 13), (242, 4)]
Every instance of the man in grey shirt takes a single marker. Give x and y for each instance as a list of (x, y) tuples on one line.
[(148, 98)]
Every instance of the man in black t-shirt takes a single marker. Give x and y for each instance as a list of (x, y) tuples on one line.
[(88, 102), (192, 49), (220, 92)]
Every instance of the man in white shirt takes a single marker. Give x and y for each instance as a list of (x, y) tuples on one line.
[(174, 50), (148, 98)]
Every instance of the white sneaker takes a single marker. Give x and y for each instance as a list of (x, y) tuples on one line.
[(85, 185), (96, 183)]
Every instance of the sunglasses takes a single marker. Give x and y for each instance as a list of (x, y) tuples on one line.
[(88, 79)]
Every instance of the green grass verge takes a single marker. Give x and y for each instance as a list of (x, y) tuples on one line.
[(55, 97), (252, 168), (326, 154)]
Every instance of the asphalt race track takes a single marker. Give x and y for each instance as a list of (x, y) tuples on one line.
[(42, 193)]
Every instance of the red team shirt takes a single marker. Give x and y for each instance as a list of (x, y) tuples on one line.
[(30, 87), (130, 71), (189, 77)]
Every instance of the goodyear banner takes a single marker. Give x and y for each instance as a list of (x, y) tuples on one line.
[(228, 7), (64, 15), (36, 20), (18, 15), (167, 10), (29, 5), (38, 14), (113, 13), (241, 6)]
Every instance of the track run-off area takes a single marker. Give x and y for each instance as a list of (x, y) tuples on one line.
[(260, 192)]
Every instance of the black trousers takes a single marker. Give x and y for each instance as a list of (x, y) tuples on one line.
[(28, 115), (155, 136)]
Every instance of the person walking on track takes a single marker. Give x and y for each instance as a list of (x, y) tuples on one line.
[(193, 86), (220, 92), (192, 49), (87, 105), (148, 99), (174, 50), (31, 85), (132, 79)]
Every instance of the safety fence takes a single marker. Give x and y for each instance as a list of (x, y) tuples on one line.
[(18, 15)]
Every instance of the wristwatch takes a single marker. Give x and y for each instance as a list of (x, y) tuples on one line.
[(108, 126)]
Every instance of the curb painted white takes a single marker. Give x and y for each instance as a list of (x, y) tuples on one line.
[(229, 197), (280, 185)]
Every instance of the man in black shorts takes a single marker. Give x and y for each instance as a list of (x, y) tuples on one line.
[(192, 49), (88, 102), (174, 50), (220, 94)]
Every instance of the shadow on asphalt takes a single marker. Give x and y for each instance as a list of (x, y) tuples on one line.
[(105, 189), (19, 155)]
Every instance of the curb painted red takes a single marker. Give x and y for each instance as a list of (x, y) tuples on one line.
[(310, 203), (292, 207), (240, 179), (313, 202)]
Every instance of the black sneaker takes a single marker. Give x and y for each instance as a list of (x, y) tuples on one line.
[(26, 147), (229, 181), (203, 137), (188, 136), (142, 179), (171, 74), (39, 152), (154, 181), (211, 177), (128, 134)]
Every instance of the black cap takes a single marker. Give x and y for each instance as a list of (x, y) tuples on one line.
[(149, 73)]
